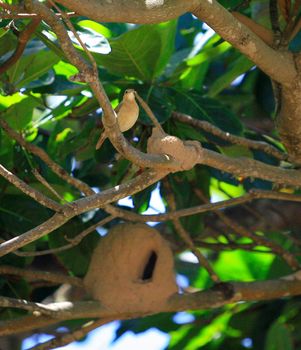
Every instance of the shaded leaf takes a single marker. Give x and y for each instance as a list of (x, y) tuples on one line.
[(142, 53), (240, 66), (279, 338)]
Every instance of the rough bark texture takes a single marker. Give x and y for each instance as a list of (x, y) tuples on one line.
[(134, 11), (289, 119)]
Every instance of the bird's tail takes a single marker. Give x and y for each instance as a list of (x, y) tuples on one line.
[(101, 140)]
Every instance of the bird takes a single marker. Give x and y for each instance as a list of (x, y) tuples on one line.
[(127, 114)]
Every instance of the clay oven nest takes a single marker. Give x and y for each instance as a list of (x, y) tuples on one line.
[(131, 269), (186, 154)]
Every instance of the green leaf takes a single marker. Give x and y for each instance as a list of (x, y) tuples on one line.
[(239, 66), (208, 54), (141, 199), (82, 251), (208, 109), (51, 45), (279, 337), (243, 266), (158, 99), (142, 53), (8, 42), (31, 67), (96, 27), (18, 114)]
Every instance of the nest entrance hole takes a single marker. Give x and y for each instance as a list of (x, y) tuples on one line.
[(149, 267)]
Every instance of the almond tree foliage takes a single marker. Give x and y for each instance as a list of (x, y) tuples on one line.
[(200, 88)]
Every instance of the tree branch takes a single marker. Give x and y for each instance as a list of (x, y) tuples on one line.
[(29, 191), (70, 337), (278, 65), (80, 206), (220, 295), (36, 275), (238, 140), (184, 235), (246, 168), (73, 241), (254, 194), (23, 39), (139, 12)]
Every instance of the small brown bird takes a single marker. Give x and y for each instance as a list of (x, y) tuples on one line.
[(127, 114)]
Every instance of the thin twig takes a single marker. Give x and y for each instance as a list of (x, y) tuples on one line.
[(253, 194), (29, 191), (82, 205), (260, 240), (71, 27), (149, 112), (185, 235), (44, 182), (10, 8), (23, 39), (70, 337), (214, 130), (36, 275), (39, 152), (231, 246), (73, 241)]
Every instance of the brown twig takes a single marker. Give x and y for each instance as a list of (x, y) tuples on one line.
[(23, 39), (34, 275), (73, 241), (219, 295), (43, 181), (29, 191), (71, 27), (253, 194), (10, 8), (185, 236), (39, 152), (70, 337), (260, 240), (214, 130), (149, 112), (80, 206), (230, 246)]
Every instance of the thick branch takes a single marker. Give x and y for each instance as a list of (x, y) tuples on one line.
[(289, 120), (90, 75), (80, 206), (245, 167), (278, 65), (234, 292), (141, 11), (221, 294)]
